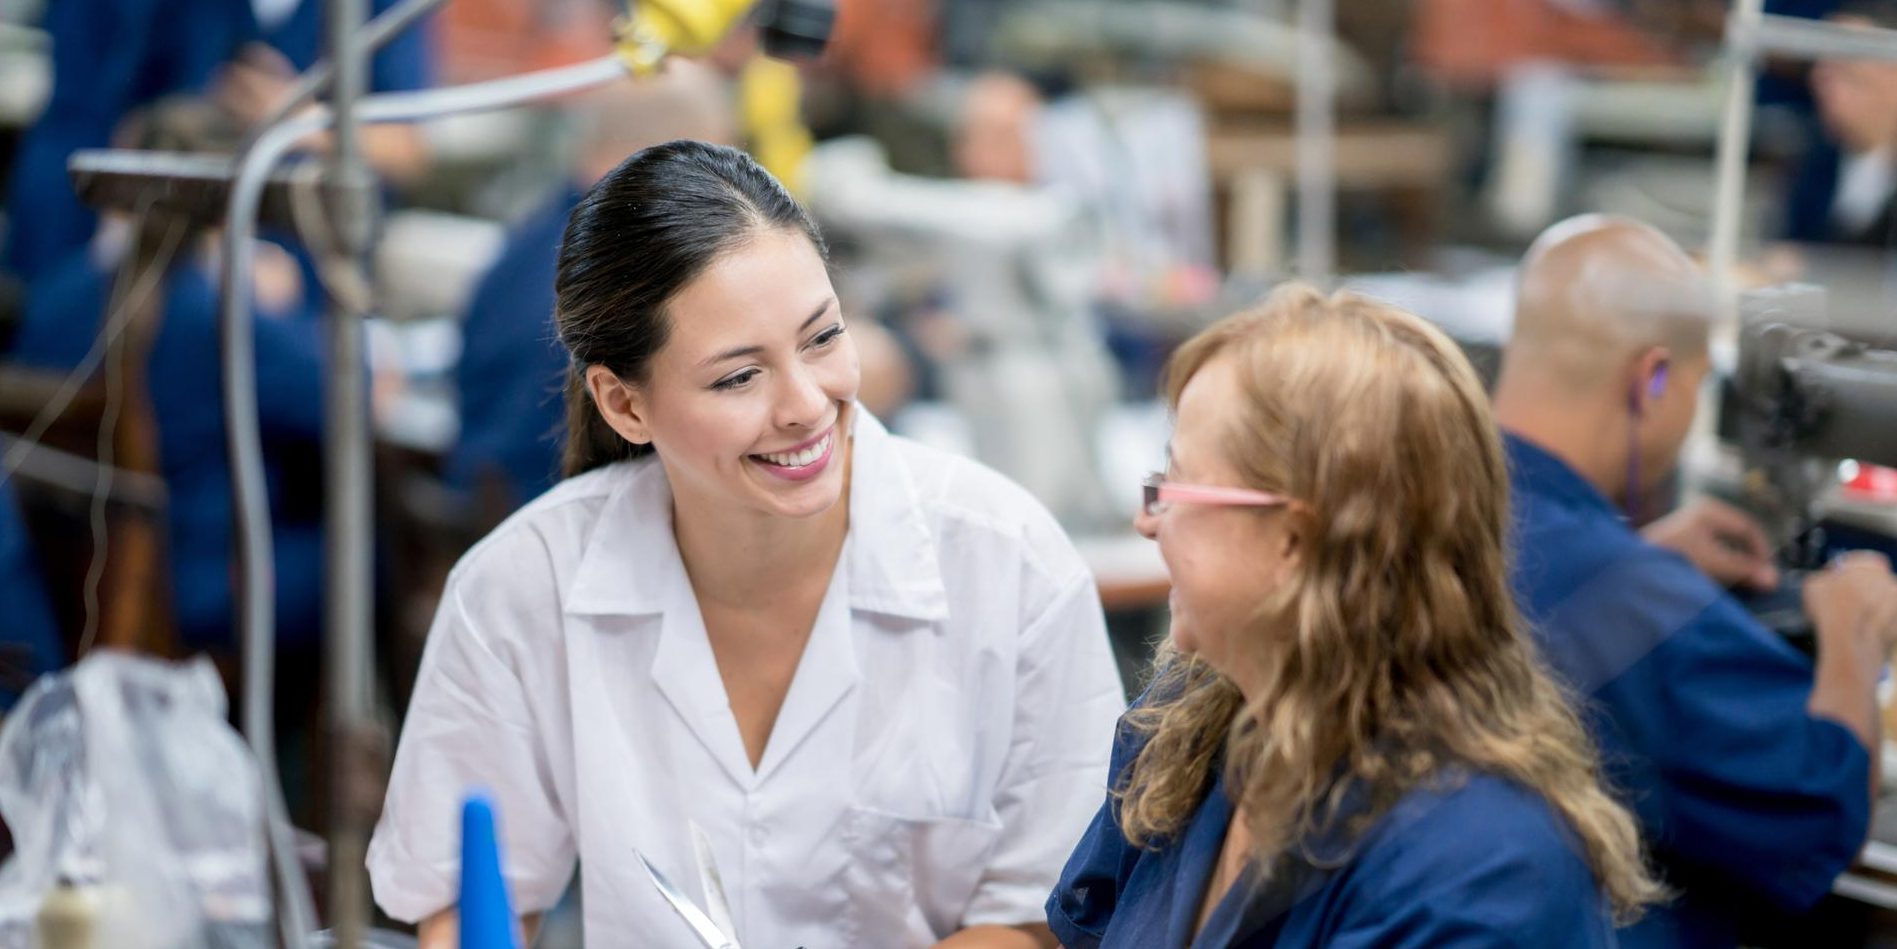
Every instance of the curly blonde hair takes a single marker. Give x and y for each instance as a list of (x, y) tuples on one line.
[(1395, 651)]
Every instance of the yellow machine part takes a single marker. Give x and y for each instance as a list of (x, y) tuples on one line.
[(770, 104), (687, 27)]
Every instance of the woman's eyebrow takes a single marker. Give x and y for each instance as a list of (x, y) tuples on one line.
[(737, 352)]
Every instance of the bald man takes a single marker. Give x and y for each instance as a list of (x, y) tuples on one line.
[(1750, 770)]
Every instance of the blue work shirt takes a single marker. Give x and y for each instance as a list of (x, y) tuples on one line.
[(1470, 860), (512, 367), (1699, 712), (111, 57), (184, 378), (30, 636)]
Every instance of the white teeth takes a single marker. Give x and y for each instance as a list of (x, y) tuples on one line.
[(799, 459)]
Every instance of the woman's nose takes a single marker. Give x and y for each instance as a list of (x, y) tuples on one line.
[(803, 402), (1146, 523)]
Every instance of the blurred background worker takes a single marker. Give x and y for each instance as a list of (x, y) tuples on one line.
[(1845, 189), (62, 314), (110, 57), (1751, 772), (193, 79)]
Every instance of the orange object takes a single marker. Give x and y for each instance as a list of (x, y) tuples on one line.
[(1473, 43), (883, 46), (488, 39)]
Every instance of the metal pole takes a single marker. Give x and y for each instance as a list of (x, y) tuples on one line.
[(255, 592), (347, 486), (256, 596), (1735, 137), (1801, 38), (1316, 141), (386, 26)]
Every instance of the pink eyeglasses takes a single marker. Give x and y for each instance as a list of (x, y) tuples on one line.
[(1156, 492)]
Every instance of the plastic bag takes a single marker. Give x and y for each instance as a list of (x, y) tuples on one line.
[(135, 810)]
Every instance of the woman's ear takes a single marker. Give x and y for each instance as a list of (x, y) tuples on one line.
[(1296, 533), (621, 403)]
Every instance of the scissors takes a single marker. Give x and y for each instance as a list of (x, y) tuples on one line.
[(712, 925)]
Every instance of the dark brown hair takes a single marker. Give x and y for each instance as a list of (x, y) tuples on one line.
[(638, 237)]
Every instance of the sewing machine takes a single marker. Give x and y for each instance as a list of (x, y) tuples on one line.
[(1810, 390)]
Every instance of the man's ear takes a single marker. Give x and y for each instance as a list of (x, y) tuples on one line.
[(621, 403), (1649, 379)]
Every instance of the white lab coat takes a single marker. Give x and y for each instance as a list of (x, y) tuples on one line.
[(941, 748)]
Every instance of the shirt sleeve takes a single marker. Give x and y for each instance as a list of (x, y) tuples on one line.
[(408, 62), (1477, 870), (1068, 697), (1089, 890), (291, 377), (1729, 770), (469, 726)]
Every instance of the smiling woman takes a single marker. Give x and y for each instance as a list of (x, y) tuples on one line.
[(1348, 740), (752, 424), (876, 675)]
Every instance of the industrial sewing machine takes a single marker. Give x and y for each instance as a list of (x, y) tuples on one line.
[(1811, 389)]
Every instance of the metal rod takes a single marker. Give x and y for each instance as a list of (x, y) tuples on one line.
[(252, 174), (347, 510), (251, 508), (1795, 37), (80, 477), (492, 94), (1316, 141), (256, 592), (1751, 33), (375, 34), (1735, 137), (1865, 890)]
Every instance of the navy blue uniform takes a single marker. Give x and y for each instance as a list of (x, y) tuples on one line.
[(111, 57), (1699, 711), (184, 379), (512, 364), (1472, 860), (29, 634)]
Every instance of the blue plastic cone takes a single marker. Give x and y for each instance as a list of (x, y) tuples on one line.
[(487, 916)]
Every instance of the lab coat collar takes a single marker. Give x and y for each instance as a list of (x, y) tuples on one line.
[(631, 565), (892, 562)]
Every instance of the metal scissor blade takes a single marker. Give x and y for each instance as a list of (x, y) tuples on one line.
[(702, 926), (716, 905)]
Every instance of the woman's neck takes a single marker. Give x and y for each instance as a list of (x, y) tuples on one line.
[(746, 560)]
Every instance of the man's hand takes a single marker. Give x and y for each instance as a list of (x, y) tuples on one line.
[(1724, 542), (1855, 596), (251, 87), (253, 83), (1853, 608)]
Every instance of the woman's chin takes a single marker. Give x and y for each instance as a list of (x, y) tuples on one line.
[(1183, 639), (810, 499)]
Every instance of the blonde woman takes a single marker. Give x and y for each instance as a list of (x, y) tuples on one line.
[(1348, 741)]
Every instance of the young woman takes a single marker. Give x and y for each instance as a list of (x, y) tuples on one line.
[(875, 675), (1348, 741)]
